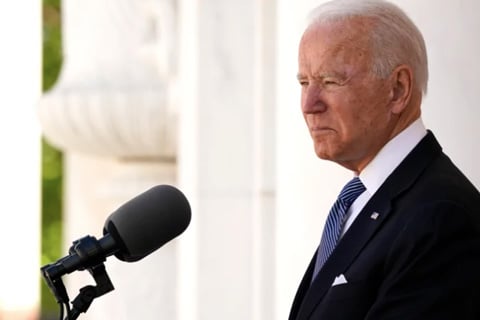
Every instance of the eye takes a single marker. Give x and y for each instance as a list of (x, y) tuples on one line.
[(303, 82), (330, 81)]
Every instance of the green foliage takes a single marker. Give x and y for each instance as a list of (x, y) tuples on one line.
[(51, 203), (52, 42), (52, 164)]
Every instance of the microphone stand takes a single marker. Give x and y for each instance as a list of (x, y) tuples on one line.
[(88, 293), (87, 248)]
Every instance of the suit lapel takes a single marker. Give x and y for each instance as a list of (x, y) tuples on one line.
[(370, 219), (347, 249)]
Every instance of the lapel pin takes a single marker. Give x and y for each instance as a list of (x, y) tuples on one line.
[(375, 215)]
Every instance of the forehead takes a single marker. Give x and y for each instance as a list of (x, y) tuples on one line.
[(345, 42)]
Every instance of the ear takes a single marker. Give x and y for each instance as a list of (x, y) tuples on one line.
[(402, 86)]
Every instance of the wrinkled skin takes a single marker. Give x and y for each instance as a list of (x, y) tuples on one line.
[(350, 112)]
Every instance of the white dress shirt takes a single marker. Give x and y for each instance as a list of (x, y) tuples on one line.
[(377, 171)]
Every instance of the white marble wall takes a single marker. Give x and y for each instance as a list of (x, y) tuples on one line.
[(20, 88), (226, 95), (244, 158)]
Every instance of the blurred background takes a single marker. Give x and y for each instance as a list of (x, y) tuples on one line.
[(102, 99)]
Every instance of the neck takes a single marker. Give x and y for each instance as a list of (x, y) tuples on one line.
[(409, 115)]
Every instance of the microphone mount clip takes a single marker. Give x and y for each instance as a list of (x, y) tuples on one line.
[(86, 252)]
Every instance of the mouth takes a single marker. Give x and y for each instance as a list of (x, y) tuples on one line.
[(320, 133), (319, 129)]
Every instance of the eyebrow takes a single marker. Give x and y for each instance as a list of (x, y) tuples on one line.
[(323, 75), (300, 76)]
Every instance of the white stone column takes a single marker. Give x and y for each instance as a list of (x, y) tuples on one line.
[(226, 90), (264, 159), (20, 87), (112, 96)]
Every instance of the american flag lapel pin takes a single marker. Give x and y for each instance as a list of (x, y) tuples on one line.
[(375, 215)]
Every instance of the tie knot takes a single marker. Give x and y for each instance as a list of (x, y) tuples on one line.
[(351, 191)]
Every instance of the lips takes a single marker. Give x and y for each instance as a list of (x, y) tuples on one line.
[(320, 129)]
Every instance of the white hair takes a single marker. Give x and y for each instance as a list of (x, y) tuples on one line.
[(395, 38)]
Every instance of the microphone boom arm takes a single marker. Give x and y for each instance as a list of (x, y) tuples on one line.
[(89, 253)]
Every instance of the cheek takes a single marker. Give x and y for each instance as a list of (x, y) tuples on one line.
[(352, 114), (302, 101), (370, 108), (371, 124)]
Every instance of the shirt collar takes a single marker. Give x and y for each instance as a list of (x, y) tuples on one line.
[(390, 156)]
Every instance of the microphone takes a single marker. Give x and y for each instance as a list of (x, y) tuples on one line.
[(133, 231)]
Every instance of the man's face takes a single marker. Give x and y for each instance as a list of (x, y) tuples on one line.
[(345, 106)]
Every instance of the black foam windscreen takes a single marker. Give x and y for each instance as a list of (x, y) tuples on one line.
[(148, 221)]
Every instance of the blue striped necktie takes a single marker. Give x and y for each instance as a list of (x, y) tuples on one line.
[(335, 221)]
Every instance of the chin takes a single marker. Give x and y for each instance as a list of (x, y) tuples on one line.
[(322, 154)]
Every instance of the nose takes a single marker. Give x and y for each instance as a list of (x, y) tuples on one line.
[(312, 99)]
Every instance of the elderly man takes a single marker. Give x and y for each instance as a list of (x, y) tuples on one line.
[(403, 239)]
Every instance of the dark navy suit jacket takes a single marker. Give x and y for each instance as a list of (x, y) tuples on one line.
[(420, 257)]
